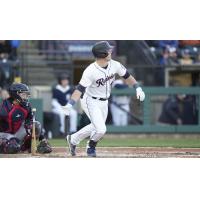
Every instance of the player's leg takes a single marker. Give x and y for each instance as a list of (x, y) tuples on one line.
[(116, 115), (101, 110), (124, 115), (77, 137), (74, 139), (73, 120), (21, 133), (9, 144), (57, 109), (100, 127), (93, 111)]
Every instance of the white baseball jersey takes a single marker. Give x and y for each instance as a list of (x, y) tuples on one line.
[(98, 80)]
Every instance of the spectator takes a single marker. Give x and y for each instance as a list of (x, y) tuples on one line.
[(4, 94), (5, 73), (168, 44), (14, 46), (186, 58), (61, 95), (5, 67), (119, 105), (197, 59), (5, 49), (178, 110)]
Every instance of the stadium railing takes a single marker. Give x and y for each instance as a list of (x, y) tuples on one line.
[(147, 127)]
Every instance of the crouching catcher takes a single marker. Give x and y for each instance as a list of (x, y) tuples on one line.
[(16, 121)]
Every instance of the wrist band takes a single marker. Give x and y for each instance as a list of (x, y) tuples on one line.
[(136, 85), (72, 102)]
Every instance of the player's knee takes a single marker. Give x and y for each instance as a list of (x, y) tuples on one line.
[(101, 131)]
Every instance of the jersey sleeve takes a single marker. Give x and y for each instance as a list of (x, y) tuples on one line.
[(86, 79), (121, 70)]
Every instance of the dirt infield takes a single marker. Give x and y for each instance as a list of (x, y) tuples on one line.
[(119, 152)]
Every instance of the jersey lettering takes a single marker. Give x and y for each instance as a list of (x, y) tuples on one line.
[(102, 81)]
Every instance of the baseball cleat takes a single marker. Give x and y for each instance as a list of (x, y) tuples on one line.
[(91, 152), (72, 148), (91, 148)]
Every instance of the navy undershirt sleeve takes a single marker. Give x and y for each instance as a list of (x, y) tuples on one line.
[(126, 75), (80, 88)]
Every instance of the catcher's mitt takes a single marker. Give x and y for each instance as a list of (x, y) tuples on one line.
[(44, 147)]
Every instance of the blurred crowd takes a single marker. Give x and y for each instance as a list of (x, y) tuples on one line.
[(176, 52), (8, 55)]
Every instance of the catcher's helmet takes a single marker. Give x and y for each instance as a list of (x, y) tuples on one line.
[(17, 88), (100, 49)]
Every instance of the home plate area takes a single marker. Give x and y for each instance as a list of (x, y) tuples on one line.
[(118, 152)]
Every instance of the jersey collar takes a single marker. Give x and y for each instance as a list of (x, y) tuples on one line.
[(102, 68)]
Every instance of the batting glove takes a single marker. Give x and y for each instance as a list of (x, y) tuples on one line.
[(67, 109), (140, 94)]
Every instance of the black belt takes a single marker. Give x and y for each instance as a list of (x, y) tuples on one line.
[(101, 99)]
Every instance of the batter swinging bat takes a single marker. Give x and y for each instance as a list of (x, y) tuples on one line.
[(33, 139)]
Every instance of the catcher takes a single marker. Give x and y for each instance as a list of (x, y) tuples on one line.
[(16, 120)]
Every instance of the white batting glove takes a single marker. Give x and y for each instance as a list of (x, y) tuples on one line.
[(140, 94), (67, 109)]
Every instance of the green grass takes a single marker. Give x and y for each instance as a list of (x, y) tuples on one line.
[(138, 142)]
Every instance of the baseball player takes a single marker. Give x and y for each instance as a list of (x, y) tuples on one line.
[(94, 90), (61, 94), (119, 102), (16, 120)]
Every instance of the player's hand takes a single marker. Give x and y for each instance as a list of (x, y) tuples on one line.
[(67, 109), (28, 128), (140, 94)]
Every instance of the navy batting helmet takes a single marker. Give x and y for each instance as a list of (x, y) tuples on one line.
[(100, 49)]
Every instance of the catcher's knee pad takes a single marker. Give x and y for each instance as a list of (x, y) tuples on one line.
[(12, 146), (26, 143)]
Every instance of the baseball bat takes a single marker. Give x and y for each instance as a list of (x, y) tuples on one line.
[(67, 125), (136, 119), (33, 138)]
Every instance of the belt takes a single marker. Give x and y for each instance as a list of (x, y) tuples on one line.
[(101, 99)]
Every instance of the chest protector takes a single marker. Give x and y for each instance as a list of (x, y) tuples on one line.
[(11, 117)]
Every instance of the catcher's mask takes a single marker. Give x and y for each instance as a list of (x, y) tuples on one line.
[(19, 92)]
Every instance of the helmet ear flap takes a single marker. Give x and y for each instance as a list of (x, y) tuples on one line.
[(100, 54)]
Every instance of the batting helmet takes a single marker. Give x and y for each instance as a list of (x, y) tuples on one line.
[(17, 88), (100, 49), (63, 77)]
